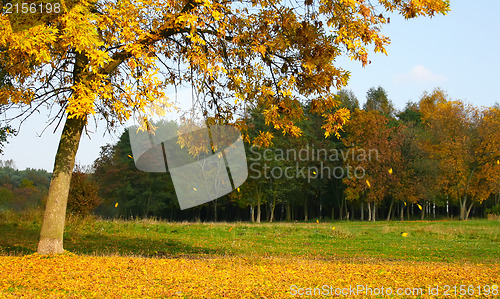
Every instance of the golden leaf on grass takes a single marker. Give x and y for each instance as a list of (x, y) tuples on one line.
[(231, 228), (35, 276), (333, 227), (404, 234)]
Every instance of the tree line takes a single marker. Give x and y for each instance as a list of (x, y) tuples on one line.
[(437, 158)]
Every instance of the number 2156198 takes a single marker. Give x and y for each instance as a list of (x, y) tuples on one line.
[(32, 8)]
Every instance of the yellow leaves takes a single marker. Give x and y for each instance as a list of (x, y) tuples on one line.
[(334, 122), (81, 102), (419, 206), (232, 277), (216, 15), (264, 139), (404, 234), (116, 205), (186, 19), (368, 184), (390, 171), (130, 156), (333, 227)]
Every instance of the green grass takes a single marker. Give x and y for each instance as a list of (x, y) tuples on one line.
[(476, 241)]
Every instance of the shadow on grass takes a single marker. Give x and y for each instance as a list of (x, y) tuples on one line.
[(16, 239), (99, 244)]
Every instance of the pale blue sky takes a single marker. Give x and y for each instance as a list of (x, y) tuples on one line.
[(457, 52)]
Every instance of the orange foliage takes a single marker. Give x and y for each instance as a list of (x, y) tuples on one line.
[(69, 275)]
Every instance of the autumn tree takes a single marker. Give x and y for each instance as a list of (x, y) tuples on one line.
[(463, 140), (137, 193), (373, 158), (378, 100), (348, 99), (112, 60), (83, 195)]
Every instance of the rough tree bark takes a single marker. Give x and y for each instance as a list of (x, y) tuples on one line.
[(51, 236)]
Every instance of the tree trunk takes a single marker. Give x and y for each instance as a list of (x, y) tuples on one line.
[(463, 208), (374, 212), (215, 210), (51, 235), (252, 214), (422, 214), (341, 209), (369, 211), (305, 210), (362, 218), (258, 209), (402, 212), (272, 210), (390, 211), (288, 211), (468, 211)]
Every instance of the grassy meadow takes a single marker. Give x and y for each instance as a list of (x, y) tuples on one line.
[(149, 258)]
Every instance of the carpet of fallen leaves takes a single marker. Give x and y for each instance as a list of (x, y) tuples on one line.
[(69, 275)]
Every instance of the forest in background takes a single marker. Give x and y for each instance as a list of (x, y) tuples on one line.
[(436, 158)]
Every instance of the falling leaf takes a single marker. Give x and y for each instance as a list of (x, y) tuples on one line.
[(116, 205), (231, 228), (404, 234), (419, 206), (195, 189), (314, 172), (317, 221), (238, 189), (130, 156), (405, 203), (498, 162), (368, 183), (390, 171)]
